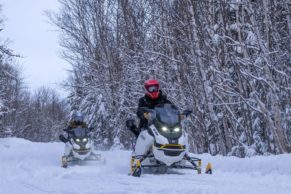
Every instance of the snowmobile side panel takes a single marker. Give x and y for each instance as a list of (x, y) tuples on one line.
[(143, 143)]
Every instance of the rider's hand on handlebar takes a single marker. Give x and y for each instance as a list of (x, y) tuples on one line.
[(146, 115), (185, 114)]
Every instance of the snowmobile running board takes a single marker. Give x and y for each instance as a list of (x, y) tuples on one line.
[(177, 167), (71, 160), (190, 159), (207, 171)]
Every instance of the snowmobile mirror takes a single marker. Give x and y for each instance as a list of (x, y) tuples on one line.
[(187, 112), (63, 139)]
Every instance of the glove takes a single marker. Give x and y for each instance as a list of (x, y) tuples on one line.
[(130, 123)]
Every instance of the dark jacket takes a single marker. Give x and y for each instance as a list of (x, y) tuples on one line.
[(147, 102), (73, 125)]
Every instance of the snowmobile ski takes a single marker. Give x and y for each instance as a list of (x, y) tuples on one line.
[(135, 167), (208, 169)]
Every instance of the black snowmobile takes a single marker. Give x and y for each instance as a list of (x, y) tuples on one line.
[(78, 146)]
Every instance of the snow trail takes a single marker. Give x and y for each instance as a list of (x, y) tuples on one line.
[(34, 168)]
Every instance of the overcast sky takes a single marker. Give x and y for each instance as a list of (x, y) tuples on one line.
[(36, 40)]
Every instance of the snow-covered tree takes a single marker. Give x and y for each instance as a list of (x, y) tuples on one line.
[(228, 61), (39, 116)]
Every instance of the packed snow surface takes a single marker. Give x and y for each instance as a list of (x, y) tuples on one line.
[(34, 168)]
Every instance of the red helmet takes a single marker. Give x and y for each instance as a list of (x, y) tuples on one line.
[(152, 88)]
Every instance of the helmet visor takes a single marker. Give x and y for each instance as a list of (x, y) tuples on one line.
[(152, 89)]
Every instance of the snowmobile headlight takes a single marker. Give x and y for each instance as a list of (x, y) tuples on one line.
[(177, 129), (85, 140), (164, 129), (77, 140)]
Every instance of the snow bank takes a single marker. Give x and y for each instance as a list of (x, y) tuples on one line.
[(264, 165)]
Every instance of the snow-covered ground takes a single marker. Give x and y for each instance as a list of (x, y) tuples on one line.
[(34, 168)]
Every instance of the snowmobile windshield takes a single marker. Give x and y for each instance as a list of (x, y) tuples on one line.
[(168, 114), (80, 133)]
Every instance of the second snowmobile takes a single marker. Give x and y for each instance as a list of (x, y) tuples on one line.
[(78, 147), (166, 142)]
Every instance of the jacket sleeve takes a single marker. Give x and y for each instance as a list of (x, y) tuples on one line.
[(141, 103)]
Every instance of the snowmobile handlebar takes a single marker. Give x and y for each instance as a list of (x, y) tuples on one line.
[(148, 113), (187, 112), (63, 139), (145, 110)]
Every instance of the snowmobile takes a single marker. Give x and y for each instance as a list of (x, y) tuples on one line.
[(80, 145), (169, 143)]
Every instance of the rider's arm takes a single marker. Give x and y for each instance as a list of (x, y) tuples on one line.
[(165, 99), (140, 110), (141, 103)]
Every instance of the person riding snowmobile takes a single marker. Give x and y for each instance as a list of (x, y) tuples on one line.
[(153, 97), (76, 121), (145, 137), (78, 142)]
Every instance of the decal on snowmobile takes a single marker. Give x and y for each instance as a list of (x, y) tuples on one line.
[(154, 130)]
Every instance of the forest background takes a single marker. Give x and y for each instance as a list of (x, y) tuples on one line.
[(228, 60)]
